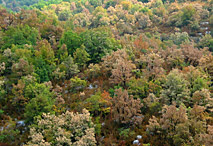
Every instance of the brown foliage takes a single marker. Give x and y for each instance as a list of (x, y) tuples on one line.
[(179, 127), (22, 68), (119, 66), (173, 57), (191, 54), (19, 99), (206, 62), (203, 98), (153, 65), (6, 19), (126, 109), (122, 72)]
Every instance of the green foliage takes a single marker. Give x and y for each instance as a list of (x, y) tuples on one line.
[(175, 89), (43, 69), (69, 67), (77, 84), (34, 89), (206, 41), (184, 17), (138, 88), (64, 15), (110, 3), (81, 57), (42, 3), (125, 133), (50, 52), (21, 35), (99, 42), (94, 104), (2, 89), (179, 38), (62, 53), (72, 40), (96, 3), (97, 126), (9, 133), (187, 14), (1, 112), (42, 103)]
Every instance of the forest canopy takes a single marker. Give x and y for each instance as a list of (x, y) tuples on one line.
[(106, 72)]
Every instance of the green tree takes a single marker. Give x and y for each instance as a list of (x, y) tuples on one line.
[(175, 89), (43, 69), (62, 53), (37, 106), (77, 84), (81, 57), (72, 40), (69, 67), (138, 87), (98, 43), (187, 14), (20, 35), (206, 41)]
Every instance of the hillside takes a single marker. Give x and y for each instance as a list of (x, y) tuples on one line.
[(106, 72)]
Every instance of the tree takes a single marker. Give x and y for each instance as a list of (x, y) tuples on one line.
[(43, 69), (69, 67), (138, 87), (45, 51), (81, 57), (203, 98), (177, 127), (44, 61), (77, 84), (184, 16), (152, 104), (173, 57), (64, 15), (122, 72), (82, 19), (2, 89), (96, 3), (6, 19), (98, 42), (126, 109), (110, 59), (118, 65), (206, 62), (191, 54), (143, 20), (179, 38), (72, 40), (175, 89), (153, 65), (206, 41), (197, 79), (207, 137), (22, 68), (26, 89), (37, 106), (187, 14), (62, 53), (71, 129), (172, 124), (49, 30), (20, 35), (100, 17)]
